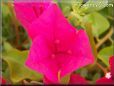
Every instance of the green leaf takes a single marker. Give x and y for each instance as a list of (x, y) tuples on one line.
[(16, 62), (5, 10), (7, 46), (105, 54), (94, 5), (99, 23), (68, 5), (76, 7), (76, 4), (66, 8)]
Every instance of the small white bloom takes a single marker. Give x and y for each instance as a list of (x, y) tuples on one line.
[(108, 75)]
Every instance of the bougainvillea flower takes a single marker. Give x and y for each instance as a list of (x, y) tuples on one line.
[(109, 77), (74, 79), (2, 81), (57, 47)]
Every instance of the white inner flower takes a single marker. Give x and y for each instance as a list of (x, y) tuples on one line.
[(108, 75)]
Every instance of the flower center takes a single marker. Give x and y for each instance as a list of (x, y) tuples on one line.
[(108, 75)]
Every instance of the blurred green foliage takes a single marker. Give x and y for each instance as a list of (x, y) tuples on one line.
[(16, 63), (105, 54)]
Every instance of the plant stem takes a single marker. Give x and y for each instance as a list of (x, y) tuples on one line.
[(97, 38), (102, 68), (91, 39), (105, 38)]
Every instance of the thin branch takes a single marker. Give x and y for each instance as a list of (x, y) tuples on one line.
[(102, 68), (91, 39), (97, 38), (105, 38), (111, 40)]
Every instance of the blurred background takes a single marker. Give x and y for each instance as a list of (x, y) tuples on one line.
[(98, 21)]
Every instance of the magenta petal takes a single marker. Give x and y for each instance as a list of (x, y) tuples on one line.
[(39, 58), (82, 48), (64, 32), (52, 23), (27, 12), (112, 66), (80, 53), (105, 81), (44, 24), (46, 81), (77, 79)]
